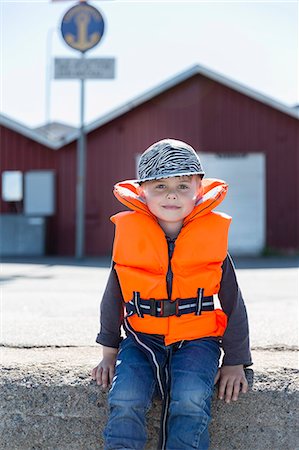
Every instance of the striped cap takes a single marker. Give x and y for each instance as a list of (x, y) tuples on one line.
[(168, 158)]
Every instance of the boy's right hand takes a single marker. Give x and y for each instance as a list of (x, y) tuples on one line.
[(103, 373)]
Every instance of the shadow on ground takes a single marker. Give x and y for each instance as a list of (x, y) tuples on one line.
[(266, 262), (59, 261)]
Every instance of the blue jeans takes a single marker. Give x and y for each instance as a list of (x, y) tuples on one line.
[(192, 370)]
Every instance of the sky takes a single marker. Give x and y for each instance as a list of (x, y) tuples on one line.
[(254, 43)]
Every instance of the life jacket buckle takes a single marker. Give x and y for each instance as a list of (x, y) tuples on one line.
[(153, 303), (166, 307), (169, 308)]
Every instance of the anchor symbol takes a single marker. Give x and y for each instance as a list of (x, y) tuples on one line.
[(83, 42)]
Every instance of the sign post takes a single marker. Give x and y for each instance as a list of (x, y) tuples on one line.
[(81, 175), (82, 28)]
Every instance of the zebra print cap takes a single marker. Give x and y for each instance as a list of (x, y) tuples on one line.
[(168, 158)]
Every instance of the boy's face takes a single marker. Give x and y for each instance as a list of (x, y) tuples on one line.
[(171, 199)]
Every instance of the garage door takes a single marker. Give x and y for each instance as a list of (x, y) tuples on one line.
[(245, 200)]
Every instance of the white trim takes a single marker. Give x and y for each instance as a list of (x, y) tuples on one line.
[(148, 95), (31, 134), (166, 406), (152, 355), (136, 304), (180, 78)]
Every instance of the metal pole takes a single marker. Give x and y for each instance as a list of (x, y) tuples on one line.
[(49, 73), (80, 186)]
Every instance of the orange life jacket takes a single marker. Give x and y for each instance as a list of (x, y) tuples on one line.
[(140, 253)]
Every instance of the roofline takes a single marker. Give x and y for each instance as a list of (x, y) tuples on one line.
[(31, 134), (148, 95), (180, 78), (247, 91)]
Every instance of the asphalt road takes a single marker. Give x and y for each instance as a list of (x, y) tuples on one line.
[(55, 302)]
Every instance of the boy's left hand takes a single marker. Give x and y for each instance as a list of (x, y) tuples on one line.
[(231, 379)]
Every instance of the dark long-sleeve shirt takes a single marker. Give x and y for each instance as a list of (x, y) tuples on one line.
[(235, 341)]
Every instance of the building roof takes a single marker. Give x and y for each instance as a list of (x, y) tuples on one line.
[(46, 134), (56, 131), (69, 134)]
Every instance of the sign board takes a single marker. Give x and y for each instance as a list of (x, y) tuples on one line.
[(56, 1), (12, 186), (93, 68), (82, 27)]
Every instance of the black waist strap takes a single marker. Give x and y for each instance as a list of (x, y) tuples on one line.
[(166, 308)]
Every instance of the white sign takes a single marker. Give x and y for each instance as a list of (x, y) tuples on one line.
[(12, 186), (94, 68), (81, 1)]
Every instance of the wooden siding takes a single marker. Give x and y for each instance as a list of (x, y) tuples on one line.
[(211, 117)]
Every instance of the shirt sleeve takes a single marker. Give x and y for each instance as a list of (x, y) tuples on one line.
[(235, 341), (111, 313)]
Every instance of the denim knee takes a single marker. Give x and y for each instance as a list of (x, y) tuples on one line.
[(190, 398), (130, 397)]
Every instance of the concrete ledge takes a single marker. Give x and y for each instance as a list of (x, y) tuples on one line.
[(48, 401)]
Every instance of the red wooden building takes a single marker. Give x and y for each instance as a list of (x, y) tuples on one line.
[(220, 118)]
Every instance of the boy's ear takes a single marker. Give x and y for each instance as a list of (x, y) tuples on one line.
[(199, 192), (141, 192)]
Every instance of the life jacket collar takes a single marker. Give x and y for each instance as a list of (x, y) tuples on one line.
[(214, 192)]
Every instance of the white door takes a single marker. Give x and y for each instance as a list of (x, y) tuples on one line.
[(245, 200)]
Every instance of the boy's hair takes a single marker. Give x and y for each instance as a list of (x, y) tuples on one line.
[(168, 158)]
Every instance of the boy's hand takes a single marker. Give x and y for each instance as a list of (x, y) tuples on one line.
[(103, 373), (231, 378)]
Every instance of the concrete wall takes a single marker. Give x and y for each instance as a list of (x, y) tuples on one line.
[(49, 402)]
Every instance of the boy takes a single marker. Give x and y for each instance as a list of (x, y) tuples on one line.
[(169, 259)]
